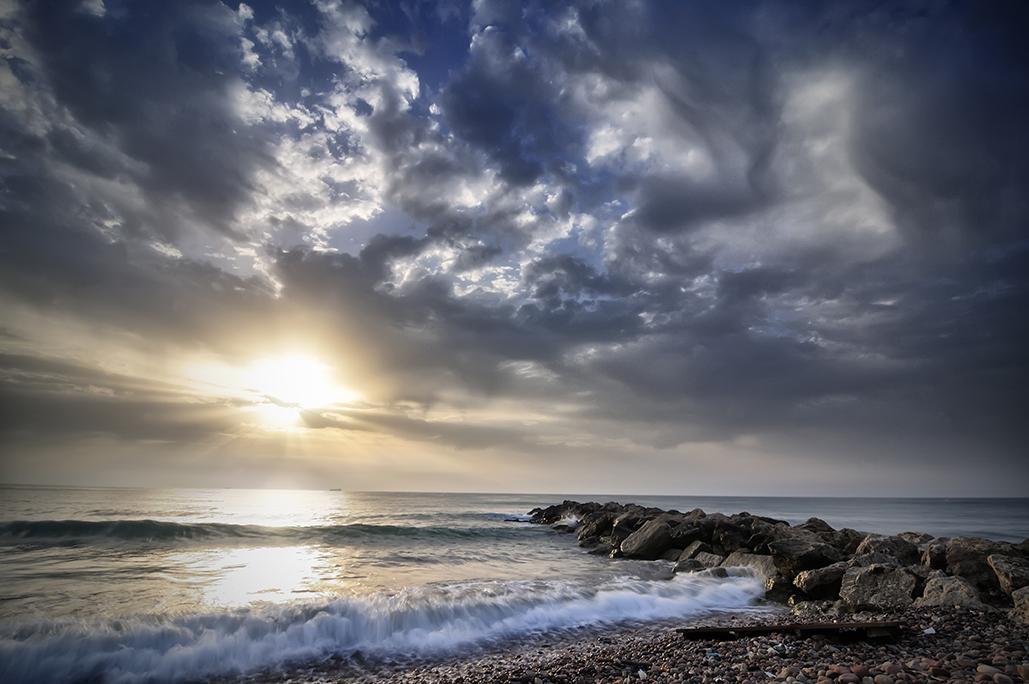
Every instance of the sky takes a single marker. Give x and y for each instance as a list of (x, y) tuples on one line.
[(662, 247)]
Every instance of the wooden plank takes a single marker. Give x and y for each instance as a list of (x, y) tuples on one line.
[(867, 630)]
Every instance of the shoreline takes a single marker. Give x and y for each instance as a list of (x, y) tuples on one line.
[(938, 645), (963, 603)]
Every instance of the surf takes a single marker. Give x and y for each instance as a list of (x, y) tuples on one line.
[(420, 621)]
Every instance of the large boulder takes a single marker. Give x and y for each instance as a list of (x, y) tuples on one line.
[(822, 583), (847, 540), (901, 549), (876, 587), (796, 552), (648, 542), (693, 549), (966, 558), (760, 565), (949, 591), (625, 524), (728, 534), (1012, 571), (1020, 613), (685, 534), (934, 555), (593, 526), (818, 526)]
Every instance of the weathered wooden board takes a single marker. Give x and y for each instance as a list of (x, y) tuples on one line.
[(845, 630)]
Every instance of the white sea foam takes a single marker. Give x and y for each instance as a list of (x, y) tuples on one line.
[(422, 620)]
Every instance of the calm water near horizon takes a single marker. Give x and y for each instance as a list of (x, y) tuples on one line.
[(148, 584)]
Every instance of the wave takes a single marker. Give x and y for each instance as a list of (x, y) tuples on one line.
[(63, 531), (418, 621)]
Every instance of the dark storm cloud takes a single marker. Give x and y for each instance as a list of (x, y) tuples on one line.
[(157, 79), (685, 222)]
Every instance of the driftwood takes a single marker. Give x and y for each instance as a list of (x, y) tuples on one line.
[(839, 630)]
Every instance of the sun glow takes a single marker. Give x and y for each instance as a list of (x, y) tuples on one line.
[(293, 383)]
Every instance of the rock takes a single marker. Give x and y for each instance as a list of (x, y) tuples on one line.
[(822, 583), (624, 525), (876, 558), (762, 566), (649, 542), (876, 587), (817, 525), (1012, 572), (714, 572), (1020, 613), (813, 610), (595, 525), (779, 589), (671, 554), (966, 557), (935, 554), (949, 591), (847, 540), (693, 549), (708, 560), (728, 534), (919, 539), (901, 549), (685, 534), (798, 552), (688, 565)]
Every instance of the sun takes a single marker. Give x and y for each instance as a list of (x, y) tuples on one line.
[(297, 382)]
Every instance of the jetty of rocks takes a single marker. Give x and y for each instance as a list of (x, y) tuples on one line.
[(809, 566)]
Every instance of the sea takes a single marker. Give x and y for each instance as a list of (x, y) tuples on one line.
[(150, 585)]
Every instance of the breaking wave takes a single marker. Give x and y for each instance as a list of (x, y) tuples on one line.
[(62, 531), (416, 621)]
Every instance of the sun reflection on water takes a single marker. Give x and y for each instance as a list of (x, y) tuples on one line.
[(239, 577)]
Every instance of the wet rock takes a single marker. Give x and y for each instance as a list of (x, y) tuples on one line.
[(779, 589), (595, 525), (685, 534), (762, 566), (876, 587), (949, 591), (708, 560), (901, 549), (1012, 572), (671, 554), (649, 542), (688, 565), (822, 583), (693, 549), (624, 525)]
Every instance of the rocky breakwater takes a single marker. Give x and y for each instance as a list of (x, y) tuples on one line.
[(811, 566)]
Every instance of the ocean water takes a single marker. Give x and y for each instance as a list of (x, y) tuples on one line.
[(132, 585)]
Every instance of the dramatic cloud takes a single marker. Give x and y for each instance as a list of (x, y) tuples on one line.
[(662, 246)]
